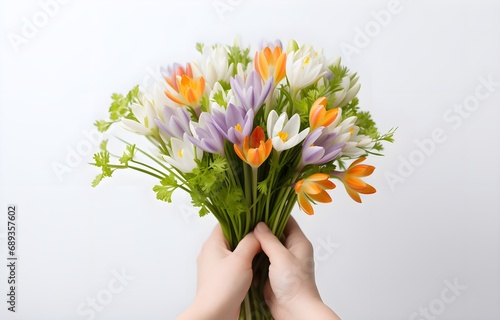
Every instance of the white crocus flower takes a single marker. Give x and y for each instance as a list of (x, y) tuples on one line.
[(145, 115), (347, 132), (213, 65), (350, 88), (304, 67), (283, 132), (227, 96), (159, 99), (357, 144), (183, 154), (240, 70)]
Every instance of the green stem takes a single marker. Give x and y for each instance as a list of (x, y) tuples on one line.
[(288, 210), (280, 209), (177, 175), (268, 102), (254, 193), (158, 138), (116, 166), (270, 186), (248, 195), (248, 314), (149, 167)]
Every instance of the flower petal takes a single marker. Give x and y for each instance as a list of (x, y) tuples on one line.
[(304, 204)]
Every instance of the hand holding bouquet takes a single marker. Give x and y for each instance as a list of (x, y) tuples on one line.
[(247, 139)]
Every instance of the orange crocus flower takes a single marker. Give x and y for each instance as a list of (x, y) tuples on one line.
[(271, 63), (255, 151), (313, 189), (179, 71), (190, 91), (319, 116), (352, 182), (187, 90)]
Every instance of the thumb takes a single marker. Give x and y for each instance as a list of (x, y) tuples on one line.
[(272, 247), (248, 247)]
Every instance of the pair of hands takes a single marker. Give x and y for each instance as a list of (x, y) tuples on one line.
[(224, 277)]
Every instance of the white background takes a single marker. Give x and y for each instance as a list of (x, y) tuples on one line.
[(388, 258)]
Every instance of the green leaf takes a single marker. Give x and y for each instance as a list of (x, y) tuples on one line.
[(102, 161), (262, 186), (238, 55), (119, 109), (225, 85), (101, 158), (167, 187), (170, 180), (199, 47), (163, 193), (203, 211), (102, 125), (205, 104), (232, 200), (218, 98), (128, 154), (97, 180), (103, 145)]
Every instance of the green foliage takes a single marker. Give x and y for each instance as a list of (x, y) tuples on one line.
[(303, 105), (275, 167), (218, 98), (102, 125), (335, 84), (367, 125), (119, 109), (199, 47), (102, 161), (203, 211), (204, 104), (231, 200), (166, 187), (388, 137), (209, 181), (225, 85), (238, 55), (103, 145), (128, 154), (208, 173)]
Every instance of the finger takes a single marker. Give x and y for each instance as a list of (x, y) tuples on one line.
[(292, 228), (296, 241), (272, 247), (248, 247), (217, 238)]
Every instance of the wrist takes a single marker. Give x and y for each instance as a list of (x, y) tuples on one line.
[(202, 309), (198, 311), (315, 308)]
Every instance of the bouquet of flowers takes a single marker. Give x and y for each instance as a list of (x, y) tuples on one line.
[(248, 138)]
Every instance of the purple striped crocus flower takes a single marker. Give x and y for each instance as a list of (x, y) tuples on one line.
[(235, 124), (206, 136), (320, 148), (250, 93), (176, 122)]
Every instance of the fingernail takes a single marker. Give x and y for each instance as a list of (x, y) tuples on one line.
[(262, 227)]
